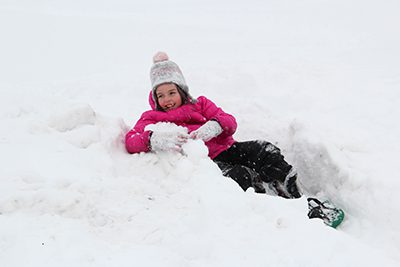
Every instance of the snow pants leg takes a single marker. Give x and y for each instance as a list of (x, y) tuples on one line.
[(244, 176), (253, 162)]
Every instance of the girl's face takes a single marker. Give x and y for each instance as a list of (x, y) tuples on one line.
[(168, 96)]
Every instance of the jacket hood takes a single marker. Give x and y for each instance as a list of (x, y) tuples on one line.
[(151, 101)]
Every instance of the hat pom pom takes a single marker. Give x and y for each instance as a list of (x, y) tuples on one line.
[(160, 56)]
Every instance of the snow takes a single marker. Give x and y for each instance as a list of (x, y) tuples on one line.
[(318, 78)]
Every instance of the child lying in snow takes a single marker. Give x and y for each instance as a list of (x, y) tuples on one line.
[(249, 163)]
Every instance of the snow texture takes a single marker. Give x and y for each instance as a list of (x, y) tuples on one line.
[(167, 137), (319, 79)]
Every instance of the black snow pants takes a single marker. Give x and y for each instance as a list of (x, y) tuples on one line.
[(253, 162)]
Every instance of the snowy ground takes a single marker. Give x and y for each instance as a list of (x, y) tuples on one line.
[(318, 78)]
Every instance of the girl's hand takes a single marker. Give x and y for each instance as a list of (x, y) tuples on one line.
[(207, 131), (167, 141)]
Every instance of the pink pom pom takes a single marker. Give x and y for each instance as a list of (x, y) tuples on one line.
[(160, 56)]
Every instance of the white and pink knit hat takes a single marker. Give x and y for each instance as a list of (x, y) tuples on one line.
[(166, 71)]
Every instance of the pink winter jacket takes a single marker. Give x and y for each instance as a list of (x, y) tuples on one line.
[(191, 116)]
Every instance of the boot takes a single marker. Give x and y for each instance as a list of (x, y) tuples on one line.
[(331, 215)]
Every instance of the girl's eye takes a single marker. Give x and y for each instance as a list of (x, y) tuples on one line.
[(159, 96)]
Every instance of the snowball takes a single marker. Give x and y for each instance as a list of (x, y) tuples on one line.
[(166, 127)]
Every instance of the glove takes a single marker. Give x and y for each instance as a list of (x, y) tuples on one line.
[(207, 131), (167, 141)]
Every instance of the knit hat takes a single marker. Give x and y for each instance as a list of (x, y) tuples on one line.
[(167, 71)]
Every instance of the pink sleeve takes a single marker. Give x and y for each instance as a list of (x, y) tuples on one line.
[(212, 112), (138, 140)]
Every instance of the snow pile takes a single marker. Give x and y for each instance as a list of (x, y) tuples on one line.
[(319, 81), (77, 198)]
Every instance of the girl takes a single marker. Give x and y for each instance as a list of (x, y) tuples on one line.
[(250, 164)]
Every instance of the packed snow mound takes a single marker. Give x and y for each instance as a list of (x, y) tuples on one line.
[(54, 171), (182, 204), (175, 205), (78, 115)]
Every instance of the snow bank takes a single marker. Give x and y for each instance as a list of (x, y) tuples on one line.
[(92, 204)]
